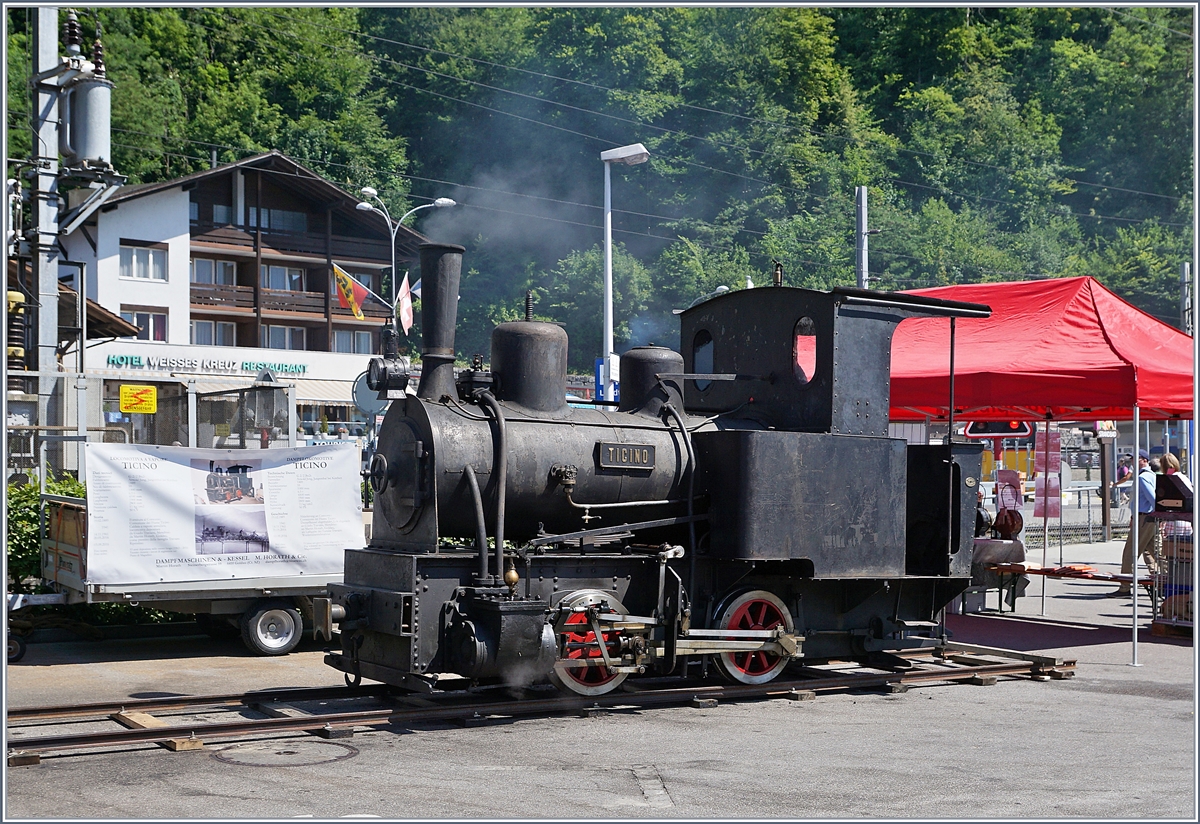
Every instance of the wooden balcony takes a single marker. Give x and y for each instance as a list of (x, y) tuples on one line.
[(310, 244), (282, 300), (223, 297), (275, 300), (373, 309)]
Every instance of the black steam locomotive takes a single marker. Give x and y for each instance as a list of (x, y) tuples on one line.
[(742, 507), (227, 485)]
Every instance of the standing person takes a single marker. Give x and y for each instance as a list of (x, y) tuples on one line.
[(1175, 529), (1123, 473), (1123, 469), (1147, 528), (1171, 466)]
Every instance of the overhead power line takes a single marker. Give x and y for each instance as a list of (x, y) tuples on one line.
[(1146, 22), (680, 160), (847, 265), (606, 142), (703, 109), (475, 206)]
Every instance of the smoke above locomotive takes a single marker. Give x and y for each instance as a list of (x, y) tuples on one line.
[(742, 506)]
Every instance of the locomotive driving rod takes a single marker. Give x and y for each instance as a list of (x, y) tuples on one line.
[(699, 641)]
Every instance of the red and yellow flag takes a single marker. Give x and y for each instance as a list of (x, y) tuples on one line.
[(351, 293)]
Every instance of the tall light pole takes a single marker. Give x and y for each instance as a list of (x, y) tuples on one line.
[(630, 156), (394, 225)]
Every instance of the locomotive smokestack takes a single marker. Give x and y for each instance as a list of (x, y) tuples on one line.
[(441, 269)]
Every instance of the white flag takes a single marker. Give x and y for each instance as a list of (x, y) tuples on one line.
[(405, 305)]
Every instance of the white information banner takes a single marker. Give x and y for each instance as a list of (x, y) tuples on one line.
[(165, 513)]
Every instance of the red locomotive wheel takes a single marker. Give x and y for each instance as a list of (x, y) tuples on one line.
[(756, 614), (589, 676), (577, 644), (756, 610)]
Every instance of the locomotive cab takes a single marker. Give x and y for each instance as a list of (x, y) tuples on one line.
[(743, 506)]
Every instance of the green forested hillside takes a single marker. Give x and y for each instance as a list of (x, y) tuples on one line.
[(998, 144)]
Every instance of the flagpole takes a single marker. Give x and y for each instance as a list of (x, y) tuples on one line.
[(368, 289)]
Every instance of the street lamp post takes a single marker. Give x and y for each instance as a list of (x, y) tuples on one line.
[(630, 156), (394, 225)]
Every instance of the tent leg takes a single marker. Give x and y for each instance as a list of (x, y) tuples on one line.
[(1045, 499), (1134, 495)]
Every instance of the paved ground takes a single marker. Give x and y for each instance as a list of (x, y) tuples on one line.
[(1114, 742)]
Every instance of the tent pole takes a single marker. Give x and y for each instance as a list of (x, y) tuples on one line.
[(1045, 498), (950, 452), (950, 480), (1060, 509), (1134, 494)]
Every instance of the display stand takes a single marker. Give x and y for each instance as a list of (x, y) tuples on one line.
[(1173, 589)]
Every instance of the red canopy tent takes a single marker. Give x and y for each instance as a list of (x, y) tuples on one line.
[(1062, 349)]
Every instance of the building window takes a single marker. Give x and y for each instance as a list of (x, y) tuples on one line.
[(282, 337), (213, 333), (152, 325), (283, 277), (143, 262), (346, 340), (193, 211), (280, 220), (222, 214), (220, 272)]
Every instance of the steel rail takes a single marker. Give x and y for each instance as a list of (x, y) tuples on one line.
[(523, 707), (194, 701)]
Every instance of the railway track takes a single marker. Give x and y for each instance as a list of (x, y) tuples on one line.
[(158, 720)]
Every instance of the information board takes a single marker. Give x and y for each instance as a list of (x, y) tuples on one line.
[(1043, 506), (1041, 454), (171, 514)]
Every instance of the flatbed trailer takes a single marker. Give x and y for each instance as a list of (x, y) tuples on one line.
[(270, 613)]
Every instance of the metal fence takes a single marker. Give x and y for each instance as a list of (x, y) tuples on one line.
[(254, 417), (61, 410)]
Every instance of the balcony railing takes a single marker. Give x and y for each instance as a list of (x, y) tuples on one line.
[(275, 300), (307, 243), (281, 300), (212, 294)]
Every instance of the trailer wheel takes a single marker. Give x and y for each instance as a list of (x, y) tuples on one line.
[(271, 627), (16, 648)]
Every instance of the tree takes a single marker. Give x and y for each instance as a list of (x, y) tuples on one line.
[(573, 295)]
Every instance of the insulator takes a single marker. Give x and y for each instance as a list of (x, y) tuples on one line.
[(71, 34), (16, 341), (98, 57), (528, 304)]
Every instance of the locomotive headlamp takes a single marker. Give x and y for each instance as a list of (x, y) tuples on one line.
[(388, 373)]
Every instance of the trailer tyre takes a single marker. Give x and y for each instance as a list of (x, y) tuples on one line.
[(16, 648), (271, 627)]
